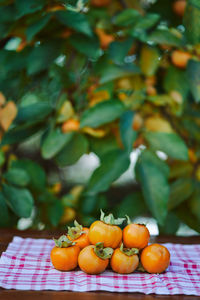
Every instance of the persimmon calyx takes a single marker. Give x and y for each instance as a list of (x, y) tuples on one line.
[(110, 220), (128, 251), (101, 252), (128, 220), (140, 268), (76, 231), (63, 242)]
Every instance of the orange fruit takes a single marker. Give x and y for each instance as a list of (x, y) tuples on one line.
[(180, 58), (179, 7), (136, 236), (155, 258)]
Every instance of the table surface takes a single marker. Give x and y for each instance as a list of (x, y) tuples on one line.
[(6, 236)]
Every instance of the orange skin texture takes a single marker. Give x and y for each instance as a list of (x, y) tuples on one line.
[(83, 240), (155, 258), (90, 263), (100, 3), (104, 38), (179, 7), (70, 125), (122, 263), (180, 58), (136, 236), (110, 235), (65, 259)]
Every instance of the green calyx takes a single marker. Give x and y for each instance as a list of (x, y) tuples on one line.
[(63, 242), (128, 251), (140, 268), (76, 231), (110, 220), (128, 220), (101, 252)]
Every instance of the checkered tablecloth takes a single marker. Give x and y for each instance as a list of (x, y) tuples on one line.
[(26, 265)]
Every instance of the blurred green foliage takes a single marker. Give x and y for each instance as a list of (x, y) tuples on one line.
[(106, 77)]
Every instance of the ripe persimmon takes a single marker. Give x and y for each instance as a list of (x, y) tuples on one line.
[(79, 235), (124, 260), (179, 7), (155, 258), (135, 235), (100, 3), (94, 259), (180, 58), (70, 125), (104, 38), (106, 231), (64, 256)]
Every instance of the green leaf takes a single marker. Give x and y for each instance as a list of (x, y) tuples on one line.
[(88, 46), (102, 113), (33, 112), (149, 60), (164, 36), (113, 164), (154, 185), (192, 21), (42, 56), (54, 142), (2, 158), (174, 79), (72, 151), (25, 7), (127, 17), (147, 21), (35, 172), (101, 146), (128, 135), (181, 169), (36, 27), (19, 134), (193, 75), (194, 202), (185, 215), (132, 205), (75, 21), (112, 72), (19, 200), (171, 225), (17, 176), (170, 143), (55, 212), (180, 190), (4, 213), (118, 50)]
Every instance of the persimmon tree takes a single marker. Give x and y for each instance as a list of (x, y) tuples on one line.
[(107, 77)]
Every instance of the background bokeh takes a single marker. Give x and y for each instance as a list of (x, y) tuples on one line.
[(99, 108)]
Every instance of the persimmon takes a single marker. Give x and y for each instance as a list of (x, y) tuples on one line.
[(135, 235), (155, 258), (100, 3), (124, 260), (179, 7), (64, 256), (180, 58), (79, 235), (104, 38), (94, 259), (106, 231), (70, 125), (69, 215)]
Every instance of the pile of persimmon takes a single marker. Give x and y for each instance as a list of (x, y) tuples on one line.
[(106, 245)]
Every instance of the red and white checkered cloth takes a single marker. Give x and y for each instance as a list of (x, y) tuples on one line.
[(26, 265)]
